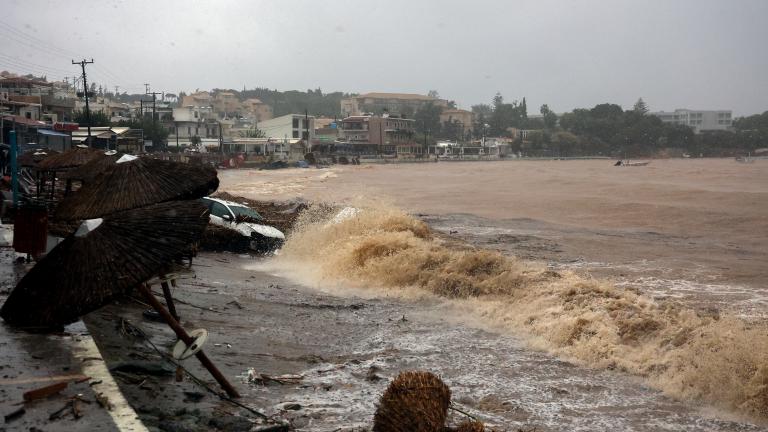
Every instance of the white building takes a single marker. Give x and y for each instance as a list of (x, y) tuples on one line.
[(289, 126), (697, 119)]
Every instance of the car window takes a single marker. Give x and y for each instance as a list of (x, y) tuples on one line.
[(245, 211), (219, 210)]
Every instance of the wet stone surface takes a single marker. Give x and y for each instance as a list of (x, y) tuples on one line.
[(31, 361)]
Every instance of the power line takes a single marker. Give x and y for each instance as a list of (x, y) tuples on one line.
[(24, 63), (50, 49), (29, 44), (15, 31)]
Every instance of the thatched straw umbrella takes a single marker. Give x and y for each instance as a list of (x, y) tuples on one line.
[(103, 259), (471, 426), (32, 158), (136, 182), (414, 401), (72, 158), (69, 159), (89, 170)]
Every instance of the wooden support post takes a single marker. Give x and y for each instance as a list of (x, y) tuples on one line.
[(182, 335), (169, 300)]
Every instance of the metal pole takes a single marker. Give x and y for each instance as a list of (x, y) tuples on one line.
[(14, 170), (169, 300), (85, 88), (183, 336)]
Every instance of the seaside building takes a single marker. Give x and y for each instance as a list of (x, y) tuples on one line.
[(192, 121), (257, 110), (393, 103), (386, 135), (465, 119), (699, 120), (290, 126), (198, 99), (226, 104)]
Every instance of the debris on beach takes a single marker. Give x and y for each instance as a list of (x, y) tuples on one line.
[(255, 377), (104, 258), (414, 401)]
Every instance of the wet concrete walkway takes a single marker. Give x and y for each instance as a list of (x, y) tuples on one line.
[(31, 361)]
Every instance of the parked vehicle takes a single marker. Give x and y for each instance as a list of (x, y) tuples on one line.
[(246, 221)]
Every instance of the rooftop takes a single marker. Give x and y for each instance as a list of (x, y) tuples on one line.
[(409, 96)]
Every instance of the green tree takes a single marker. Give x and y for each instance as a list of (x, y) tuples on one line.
[(428, 118), (640, 107), (253, 133), (98, 118), (153, 131), (550, 118)]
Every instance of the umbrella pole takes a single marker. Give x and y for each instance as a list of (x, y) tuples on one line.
[(169, 300), (182, 335)]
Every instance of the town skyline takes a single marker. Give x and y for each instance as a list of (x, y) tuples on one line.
[(702, 55)]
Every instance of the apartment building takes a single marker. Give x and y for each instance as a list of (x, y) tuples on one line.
[(392, 103), (289, 126), (256, 109), (699, 120)]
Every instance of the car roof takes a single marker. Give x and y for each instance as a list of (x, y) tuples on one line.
[(225, 202)]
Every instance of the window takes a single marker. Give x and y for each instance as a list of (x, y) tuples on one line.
[(218, 209), (295, 133), (189, 131), (295, 123), (247, 212)]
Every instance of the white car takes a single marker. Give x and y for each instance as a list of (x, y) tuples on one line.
[(243, 219)]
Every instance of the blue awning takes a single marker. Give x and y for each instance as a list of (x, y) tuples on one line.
[(51, 133)]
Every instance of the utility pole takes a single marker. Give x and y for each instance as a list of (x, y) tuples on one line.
[(307, 144), (381, 139), (82, 64), (154, 109)]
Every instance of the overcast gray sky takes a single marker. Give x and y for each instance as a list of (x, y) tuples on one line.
[(697, 54)]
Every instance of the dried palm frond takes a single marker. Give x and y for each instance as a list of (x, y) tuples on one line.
[(103, 259), (137, 183), (414, 401)]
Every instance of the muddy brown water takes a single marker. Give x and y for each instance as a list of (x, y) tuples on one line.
[(336, 341), (686, 232), (686, 228)]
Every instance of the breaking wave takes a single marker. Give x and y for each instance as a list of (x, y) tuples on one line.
[(714, 359)]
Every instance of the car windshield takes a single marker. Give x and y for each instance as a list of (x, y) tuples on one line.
[(245, 212)]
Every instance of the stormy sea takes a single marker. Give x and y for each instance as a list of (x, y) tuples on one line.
[(556, 295)]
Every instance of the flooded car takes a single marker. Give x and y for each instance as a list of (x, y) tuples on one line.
[(255, 235)]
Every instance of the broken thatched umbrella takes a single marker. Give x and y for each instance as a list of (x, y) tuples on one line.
[(136, 182), (104, 258)]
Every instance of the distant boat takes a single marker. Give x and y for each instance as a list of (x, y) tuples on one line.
[(631, 163), (745, 159)]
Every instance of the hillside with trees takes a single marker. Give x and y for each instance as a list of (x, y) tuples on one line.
[(293, 101), (609, 130)]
